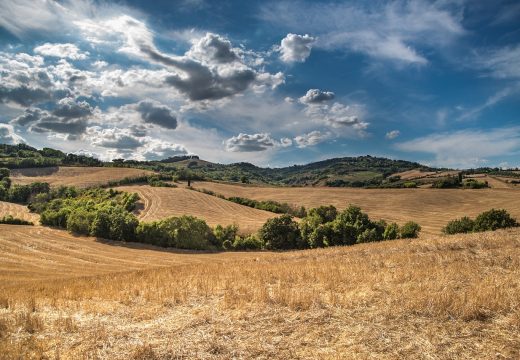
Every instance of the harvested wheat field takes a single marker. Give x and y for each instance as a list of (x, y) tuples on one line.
[(160, 202), (18, 211), (31, 253), (431, 208), (434, 298), (74, 176)]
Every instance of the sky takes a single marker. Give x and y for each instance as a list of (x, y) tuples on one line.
[(273, 83)]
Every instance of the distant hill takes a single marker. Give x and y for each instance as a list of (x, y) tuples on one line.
[(25, 156), (361, 171)]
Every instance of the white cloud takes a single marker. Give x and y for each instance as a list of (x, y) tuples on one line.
[(392, 134), (502, 63), (383, 30), (314, 96), (69, 51), (466, 148), (8, 136), (311, 139), (339, 115), (296, 48)]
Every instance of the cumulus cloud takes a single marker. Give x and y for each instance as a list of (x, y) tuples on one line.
[(153, 112), (338, 115), (122, 139), (249, 143), (127, 144), (392, 134), (8, 136), (213, 47), (255, 142), (26, 81), (296, 48), (69, 117), (210, 70), (384, 30), (466, 148), (311, 139), (68, 108), (69, 51), (156, 149), (314, 96)]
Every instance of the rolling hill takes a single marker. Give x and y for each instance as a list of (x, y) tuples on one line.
[(431, 208)]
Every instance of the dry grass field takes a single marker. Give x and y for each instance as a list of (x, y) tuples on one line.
[(74, 176), (18, 211), (160, 202), (436, 298), (431, 208)]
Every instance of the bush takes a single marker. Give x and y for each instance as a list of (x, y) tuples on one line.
[(185, 232), (250, 242), (9, 219), (462, 225), (79, 221), (391, 232), (474, 184), (4, 173), (227, 233), (280, 233), (410, 230), (410, 184), (447, 183), (493, 220)]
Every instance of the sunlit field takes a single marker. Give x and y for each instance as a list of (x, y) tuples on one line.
[(433, 298)]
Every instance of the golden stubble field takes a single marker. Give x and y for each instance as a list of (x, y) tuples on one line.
[(435, 298), (431, 208), (161, 202), (74, 175)]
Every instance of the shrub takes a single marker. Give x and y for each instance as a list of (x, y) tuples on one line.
[(447, 183), (462, 225), (280, 233), (494, 219), (391, 232), (410, 184), (325, 213), (410, 230), (222, 234), (79, 221), (185, 232), (4, 173), (250, 242), (474, 184), (9, 219)]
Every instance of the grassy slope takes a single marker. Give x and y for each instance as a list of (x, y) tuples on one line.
[(435, 298)]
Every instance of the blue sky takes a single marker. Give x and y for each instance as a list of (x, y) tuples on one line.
[(271, 83)]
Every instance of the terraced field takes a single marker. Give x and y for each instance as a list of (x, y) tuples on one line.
[(431, 208), (18, 211), (74, 176), (160, 202)]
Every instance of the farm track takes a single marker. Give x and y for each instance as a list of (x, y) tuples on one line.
[(74, 176), (162, 202), (431, 208)]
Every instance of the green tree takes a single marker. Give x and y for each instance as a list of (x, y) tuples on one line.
[(280, 233)]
